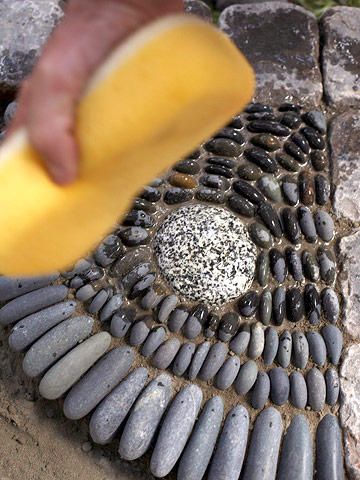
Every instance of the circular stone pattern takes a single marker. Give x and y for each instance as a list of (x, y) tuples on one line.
[(205, 254)]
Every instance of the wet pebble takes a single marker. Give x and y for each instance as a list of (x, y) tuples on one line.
[(270, 218), (248, 304), (134, 275), (307, 224), (257, 341), (329, 449), (330, 305), (318, 160), (138, 218), (236, 122), (332, 386), (248, 171), (316, 119), (240, 342), (265, 307), (295, 151), (150, 300), (278, 265), (177, 195), (241, 205), (153, 341), (145, 417), (279, 386), (271, 345), (269, 186), (285, 349), (306, 189), (301, 142), (291, 227), (182, 180), (12, 287), (334, 342), (266, 141), (268, 126), (227, 373), (300, 350), (232, 134), (294, 264), (314, 138), (142, 204), (291, 120), (242, 187), (183, 359), (212, 325), (324, 225), (121, 322), (287, 162), (246, 377), (190, 167), (263, 268), (258, 107), (260, 235), (327, 265), (166, 307), (294, 304), (213, 362), (316, 389), (223, 162), (322, 190), (298, 390), (260, 392), (215, 181), (223, 146), (210, 195), (134, 236), (165, 354), (142, 286), (177, 319), (262, 159), (317, 348), (312, 304), (151, 194), (198, 359), (290, 190), (279, 305), (228, 326), (310, 266)]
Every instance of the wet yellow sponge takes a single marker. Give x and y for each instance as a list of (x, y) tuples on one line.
[(159, 95)]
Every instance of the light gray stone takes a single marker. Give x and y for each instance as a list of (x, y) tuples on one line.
[(166, 307), (98, 302), (334, 341), (177, 319), (246, 377), (198, 359), (316, 389), (11, 287), (175, 430), (317, 348), (165, 354), (257, 341), (139, 333), (98, 382), (73, 365), (229, 454), (214, 360), (271, 345), (111, 307), (25, 26), (240, 342), (300, 348), (340, 55), (145, 417), (227, 373), (55, 343), (279, 385), (111, 412), (260, 392), (153, 341), (298, 390), (329, 458), (183, 358), (332, 386), (285, 349)]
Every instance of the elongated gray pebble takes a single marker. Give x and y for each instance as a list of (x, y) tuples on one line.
[(166, 307), (55, 343), (98, 302), (240, 342), (324, 225), (214, 359), (227, 373), (175, 430), (73, 365), (300, 348), (85, 293), (229, 455), (197, 454), (183, 359), (177, 319), (298, 390), (332, 386), (98, 382), (260, 392), (153, 341), (285, 349), (192, 327), (296, 459), (111, 307), (329, 457), (334, 341), (31, 302), (261, 462), (198, 359), (150, 300), (257, 341), (32, 327), (246, 377), (165, 354), (120, 324), (317, 348), (279, 385), (271, 345), (134, 275), (11, 287), (316, 389), (111, 412), (145, 417), (139, 333)]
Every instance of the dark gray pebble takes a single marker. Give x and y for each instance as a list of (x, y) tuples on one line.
[(175, 430), (285, 349), (291, 120), (249, 171), (324, 225), (142, 285), (294, 264), (230, 451), (248, 304), (278, 265), (192, 327), (260, 392), (240, 204), (266, 141), (138, 218), (262, 159), (188, 166), (240, 342), (212, 325), (317, 348), (145, 417), (298, 390), (279, 305), (153, 341), (263, 268), (301, 142), (310, 266), (260, 235), (98, 301), (165, 354), (228, 326), (294, 304), (319, 160), (262, 459), (300, 350), (329, 450), (151, 194), (214, 360), (142, 204), (221, 170), (12, 287), (246, 377), (183, 359), (322, 190), (177, 319), (290, 225), (198, 359), (316, 119), (223, 146), (290, 190), (268, 126), (135, 274), (111, 307), (215, 181), (287, 162), (307, 224), (327, 265), (269, 186), (279, 385), (244, 188), (314, 138), (271, 345), (316, 389), (333, 341), (270, 218), (332, 386), (210, 195), (224, 162), (295, 151), (330, 305), (121, 321), (312, 304), (227, 373), (265, 307), (134, 236)]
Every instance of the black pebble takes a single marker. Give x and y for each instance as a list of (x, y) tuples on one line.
[(223, 162), (241, 205), (270, 218), (291, 226), (318, 160), (291, 120), (292, 149), (138, 218), (151, 194), (314, 138), (294, 264), (223, 146), (210, 195), (228, 326), (248, 191), (177, 195), (278, 265), (232, 134), (219, 170), (312, 304), (268, 126), (187, 166), (262, 159), (306, 189), (301, 142), (322, 190), (248, 304), (279, 305), (294, 305)]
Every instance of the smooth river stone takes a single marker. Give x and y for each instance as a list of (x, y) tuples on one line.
[(175, 430), (166, 307), (214, 360), (145, 417), (139, 333), (32, 327), (334, 341), (98, 382), (183, 358), (11, 287), (31, 302), (298, 390), (261, 462), (332, 386), (55, 343), (300, 348), (240, 342), (165, 354), (227, 373), (111, 307), (296, 459), (177, 319), (72, 366), (261, 390), (111, 412), (316, 389), (271, 345), (317, 348), (246, 377), (280, 385), (257, 341), (153, 341), (198, 359), (199, 449), (230, 451), (329, 458), (285, 349)]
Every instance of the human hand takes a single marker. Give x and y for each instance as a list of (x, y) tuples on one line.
[(47, 100)]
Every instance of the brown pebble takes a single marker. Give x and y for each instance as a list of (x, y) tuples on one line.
[(183, 181), (306, 189)]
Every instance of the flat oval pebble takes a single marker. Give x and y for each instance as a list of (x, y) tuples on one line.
[(224, 162), (271, 345), (210, 195), (212, 325), (151, 299), (290, 190), (165, 354), (55, 343), (142, 286), (248, 304), (301, 142), (296, 458), (248, 171), (307, 224), (73, 365), (188, 166), (85, 293), (232, 133), (329, 456), (306, 188), (294, 264), (314, 138), (214, 360), (111, 412), (332, 386), (268, 126), (134, 275), (153, 341), (285, 349), (265, 307), (310, 266), (318, 160), (192, 327), (298, 390), (139, 332), (278, 265), (31, 302), (151, 194), (266, 141), (240, 204), (269, 186), (246, 377), (290, 226), (183, 358), (227, 373), (294, 304), (134, 236), (240, 342), (316, 119), (175, 430), (279, 305), (12, 287), (295, 151), (270, 218), (324, 225), (317, 348), (279, 385), (263, 268), (197, 454), (322, 190), (261, 158), (300, 350), (32, 327), (316, 389), (109, 249), (145, 417), (287, 162), (221, 170), (215, 181), (166, 307), (228, 326), (98, 382), (223, 146), (312, 304), (260, 392), (230, 451), (334, 342), (98, 302), (327, 265), (198, 359), (260, 235), (177, 319), (251, 193), (121, 322), (263, 453), (330, 305), (183, 181), (257, 341), (111, 307)]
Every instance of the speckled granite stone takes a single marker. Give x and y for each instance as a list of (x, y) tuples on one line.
[(212, 259)]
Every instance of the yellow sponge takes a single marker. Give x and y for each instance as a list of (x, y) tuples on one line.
[(159, 95)]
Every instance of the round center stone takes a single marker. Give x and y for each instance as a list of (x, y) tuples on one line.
[(205, 254)]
